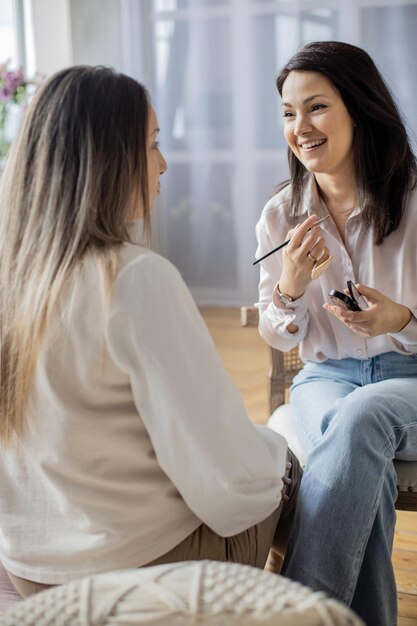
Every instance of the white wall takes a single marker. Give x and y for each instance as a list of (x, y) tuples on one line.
[(96, 32), (52, 35), (68, 32)]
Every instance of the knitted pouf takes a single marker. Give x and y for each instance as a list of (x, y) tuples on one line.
[(208, 593)]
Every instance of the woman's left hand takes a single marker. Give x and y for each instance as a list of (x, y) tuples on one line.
[(383, 315), (287, 482)]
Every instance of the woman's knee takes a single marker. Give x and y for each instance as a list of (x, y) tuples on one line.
[(361, 415)]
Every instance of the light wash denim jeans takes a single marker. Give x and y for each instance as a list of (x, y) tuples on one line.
[(353, 417)]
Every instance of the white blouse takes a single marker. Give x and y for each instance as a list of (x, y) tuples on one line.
[(391, 268)]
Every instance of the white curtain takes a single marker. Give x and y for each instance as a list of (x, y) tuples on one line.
[(211, 67)]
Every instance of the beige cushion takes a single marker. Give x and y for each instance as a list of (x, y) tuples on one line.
[(406, 475), (206, 593), (282, 422)]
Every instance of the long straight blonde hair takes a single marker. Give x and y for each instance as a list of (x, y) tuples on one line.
[(74, 174)]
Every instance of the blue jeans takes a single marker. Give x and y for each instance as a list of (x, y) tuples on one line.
[(353, 417)]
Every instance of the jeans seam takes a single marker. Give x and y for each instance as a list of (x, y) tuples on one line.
[(362, 546), (378, 369), (403, 428)]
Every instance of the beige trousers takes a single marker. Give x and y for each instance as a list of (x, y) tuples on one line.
[(250, 547)]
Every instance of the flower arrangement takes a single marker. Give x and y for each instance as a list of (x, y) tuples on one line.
[(13, 90)]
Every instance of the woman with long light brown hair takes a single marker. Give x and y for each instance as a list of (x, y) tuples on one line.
[(124, 441)]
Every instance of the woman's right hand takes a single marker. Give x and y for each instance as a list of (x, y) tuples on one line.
[(300, 256)]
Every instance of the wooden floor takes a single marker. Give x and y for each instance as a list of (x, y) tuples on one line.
[(245, 356)]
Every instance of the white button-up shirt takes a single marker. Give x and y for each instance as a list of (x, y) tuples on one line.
[(391, 268)]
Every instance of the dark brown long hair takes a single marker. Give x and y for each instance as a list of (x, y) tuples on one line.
[(385, 166)]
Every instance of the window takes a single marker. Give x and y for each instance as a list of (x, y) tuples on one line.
[(8, 38), (16, 35), (211, 69)]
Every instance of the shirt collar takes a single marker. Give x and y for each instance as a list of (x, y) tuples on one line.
[(313, 203)]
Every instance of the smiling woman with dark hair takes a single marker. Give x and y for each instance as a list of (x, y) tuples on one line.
[(355, 401), (384, 164)]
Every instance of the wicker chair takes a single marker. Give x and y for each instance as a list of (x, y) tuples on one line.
[(284, 366)]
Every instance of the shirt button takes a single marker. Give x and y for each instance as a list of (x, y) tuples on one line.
[(348, 263), (359, 352)]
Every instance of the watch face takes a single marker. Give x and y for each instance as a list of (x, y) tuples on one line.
[(285, 299)]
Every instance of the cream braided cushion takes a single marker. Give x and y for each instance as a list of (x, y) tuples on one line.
[(208, 593)]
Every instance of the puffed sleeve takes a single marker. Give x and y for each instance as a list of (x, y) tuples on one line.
[(227, 472)]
